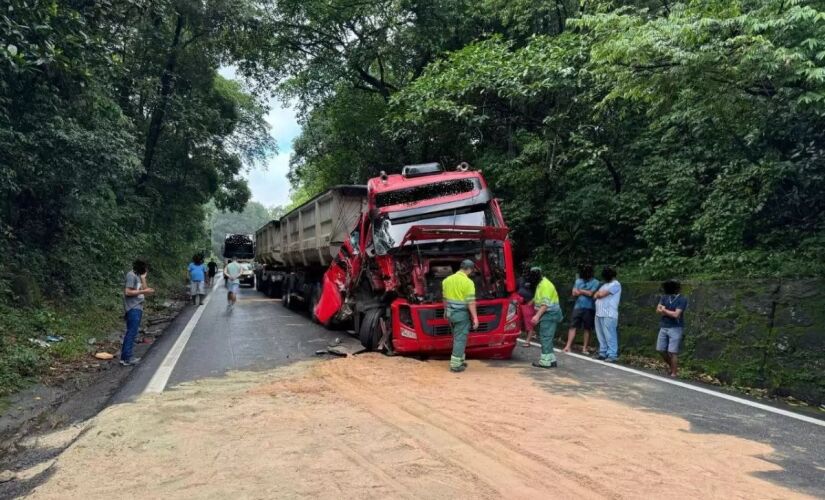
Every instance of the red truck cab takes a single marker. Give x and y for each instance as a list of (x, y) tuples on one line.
[(417, 228)]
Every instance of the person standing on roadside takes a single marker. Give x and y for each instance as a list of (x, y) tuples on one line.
[(212, 270), (197, 276), (547, 317), (526, 291), (584, 310), (459, 293), (232, 273), (671, 308), (607, 316), (134, 292)]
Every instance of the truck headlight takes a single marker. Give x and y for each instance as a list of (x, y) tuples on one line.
[(512, 310), (511, 323)]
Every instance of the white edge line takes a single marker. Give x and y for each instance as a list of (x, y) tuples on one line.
[(691, 387), (158, 381)]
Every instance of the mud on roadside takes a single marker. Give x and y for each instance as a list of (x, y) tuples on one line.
[(38, 423)]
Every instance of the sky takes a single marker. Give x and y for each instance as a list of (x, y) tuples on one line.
[(268, 183)]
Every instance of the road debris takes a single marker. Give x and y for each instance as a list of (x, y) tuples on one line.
[(333, 350), (7, 476)]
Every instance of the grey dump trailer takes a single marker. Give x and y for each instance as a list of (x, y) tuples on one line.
[(304, 242), (270, 270)]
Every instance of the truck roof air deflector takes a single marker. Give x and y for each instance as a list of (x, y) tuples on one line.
[(412, 171)]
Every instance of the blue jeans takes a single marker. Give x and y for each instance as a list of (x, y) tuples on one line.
[(607, 331), (133, 317)]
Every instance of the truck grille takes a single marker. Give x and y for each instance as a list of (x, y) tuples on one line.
[(434, 323)]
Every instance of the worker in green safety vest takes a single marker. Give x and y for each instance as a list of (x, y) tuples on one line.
[(459, 294), (548, 315)]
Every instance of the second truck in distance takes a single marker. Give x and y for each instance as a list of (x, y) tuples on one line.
[(374, 256)]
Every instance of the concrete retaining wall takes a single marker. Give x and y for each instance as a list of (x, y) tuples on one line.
[(765, 334)]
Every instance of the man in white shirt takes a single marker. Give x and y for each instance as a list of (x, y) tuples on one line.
[(232, 272), (607, 316)]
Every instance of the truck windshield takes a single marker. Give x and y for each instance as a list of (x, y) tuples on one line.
[(389, 234)]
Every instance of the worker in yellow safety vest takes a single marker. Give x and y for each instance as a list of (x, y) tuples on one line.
[(547, 318), (459, 294)]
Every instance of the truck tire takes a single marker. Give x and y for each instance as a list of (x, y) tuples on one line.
[(369, 331), (287, 296), (276, 290)]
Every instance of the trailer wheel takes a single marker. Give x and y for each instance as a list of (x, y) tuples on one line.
[(276, 290), (369, 331)]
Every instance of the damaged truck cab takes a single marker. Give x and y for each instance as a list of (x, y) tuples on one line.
[(415, 230)]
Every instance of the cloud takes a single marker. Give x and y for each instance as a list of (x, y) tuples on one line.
[(269, 184)]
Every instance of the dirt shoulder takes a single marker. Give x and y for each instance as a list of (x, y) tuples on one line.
[(377, 427), (72, 392)]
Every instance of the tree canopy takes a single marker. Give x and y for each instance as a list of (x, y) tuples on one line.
[(667, 136), (115, 130)]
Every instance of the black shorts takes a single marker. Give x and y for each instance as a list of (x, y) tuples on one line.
[(583, 318)]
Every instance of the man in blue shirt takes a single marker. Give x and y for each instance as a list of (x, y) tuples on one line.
[(584, 311), (197, 275), (607, 316), (671, 308)]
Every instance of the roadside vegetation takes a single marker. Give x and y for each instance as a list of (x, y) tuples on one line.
[(116, 129), (664, 137)]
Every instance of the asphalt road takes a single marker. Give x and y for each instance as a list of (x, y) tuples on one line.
[(258, 334), (261, 334)]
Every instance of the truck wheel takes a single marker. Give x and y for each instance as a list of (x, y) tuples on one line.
[(356, 322), (287, 296), (369, 331)]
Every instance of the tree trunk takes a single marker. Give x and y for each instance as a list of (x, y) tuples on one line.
[(167, 88), (614, 174)]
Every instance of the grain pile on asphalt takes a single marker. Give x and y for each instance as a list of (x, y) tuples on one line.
[(377, 427)]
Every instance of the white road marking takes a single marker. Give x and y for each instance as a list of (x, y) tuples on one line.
[(158, 382), (752, 404)]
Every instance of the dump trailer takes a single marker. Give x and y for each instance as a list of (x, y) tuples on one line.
[(387, 254), (238, 247), (310, 237), (270, 270)]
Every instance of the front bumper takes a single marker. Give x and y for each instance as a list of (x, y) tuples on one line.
[(423, 329)]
